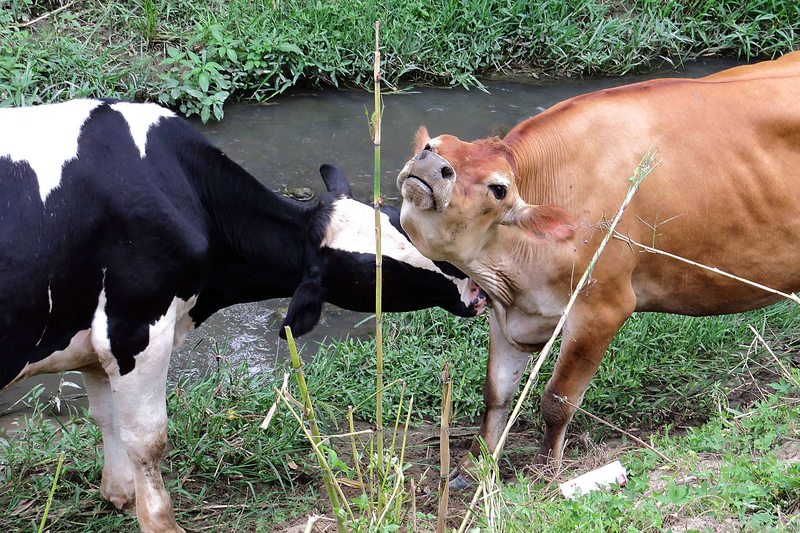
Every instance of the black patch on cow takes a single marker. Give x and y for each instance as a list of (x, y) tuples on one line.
[(334, 180)]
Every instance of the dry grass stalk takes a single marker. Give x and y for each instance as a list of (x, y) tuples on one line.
[(274, 409), (403, 456), (444, 449), (356, 461), (647, 164), (650, 249), (615, 428), (332, 488), (413, 507), (785, 372), (46, 15)]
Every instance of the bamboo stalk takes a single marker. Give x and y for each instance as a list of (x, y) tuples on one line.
[(327, 474), (376, 129), (444, 450), (646, 165), (356, 462)]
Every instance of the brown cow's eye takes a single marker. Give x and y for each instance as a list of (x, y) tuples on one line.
[(499, 191), (428, 148)]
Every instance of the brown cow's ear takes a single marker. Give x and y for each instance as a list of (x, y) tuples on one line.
[(421, 139), (539, 220)]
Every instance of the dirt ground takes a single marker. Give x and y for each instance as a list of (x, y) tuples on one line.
[(422, 451)]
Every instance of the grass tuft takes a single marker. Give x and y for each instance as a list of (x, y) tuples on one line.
[(195, 56)]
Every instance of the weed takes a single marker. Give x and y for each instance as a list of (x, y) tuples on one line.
[(196, 56)]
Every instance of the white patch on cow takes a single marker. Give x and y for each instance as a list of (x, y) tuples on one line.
[(184, 324), (352, 229), (46, 137), (100, 339), (140, 118)]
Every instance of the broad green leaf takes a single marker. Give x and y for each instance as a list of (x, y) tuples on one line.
[(289, 47)]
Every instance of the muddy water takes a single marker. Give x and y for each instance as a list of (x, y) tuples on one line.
[(284, 143)]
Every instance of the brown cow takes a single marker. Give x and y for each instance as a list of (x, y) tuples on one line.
[(726, 194)]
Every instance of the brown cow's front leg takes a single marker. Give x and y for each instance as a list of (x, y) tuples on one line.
[(588, 332), (503, 374)]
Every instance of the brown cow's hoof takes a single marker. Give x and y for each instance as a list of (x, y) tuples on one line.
[(461, 479)]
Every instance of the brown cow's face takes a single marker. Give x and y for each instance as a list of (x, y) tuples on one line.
[(457, 193)]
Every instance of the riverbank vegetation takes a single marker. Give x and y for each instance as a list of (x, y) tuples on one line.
[(197, 55), (699, 389)]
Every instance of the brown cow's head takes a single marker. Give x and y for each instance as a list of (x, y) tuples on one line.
[(455, 193)]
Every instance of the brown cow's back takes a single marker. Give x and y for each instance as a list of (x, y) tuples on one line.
[(726, 192)]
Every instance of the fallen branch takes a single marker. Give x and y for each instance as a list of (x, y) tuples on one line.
[(563, 399)]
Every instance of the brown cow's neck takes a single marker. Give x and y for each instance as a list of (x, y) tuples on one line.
[(539, 150)]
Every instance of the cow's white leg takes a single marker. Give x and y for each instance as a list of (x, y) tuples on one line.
[(117, 485), (140, 402), (503, 374)]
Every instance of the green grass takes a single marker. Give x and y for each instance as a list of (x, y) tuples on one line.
[(725, 473), (661, 371), (197, 55), (659, 368), (222, 468)]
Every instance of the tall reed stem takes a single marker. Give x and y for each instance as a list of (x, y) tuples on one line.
[(52, 492), (376, 199), (316, 438), (444, 450)]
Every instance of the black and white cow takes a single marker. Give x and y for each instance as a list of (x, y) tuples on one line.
[(122, 228)]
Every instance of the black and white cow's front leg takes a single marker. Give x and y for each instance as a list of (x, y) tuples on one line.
[(504, 372), (139, 400), (117, 485)]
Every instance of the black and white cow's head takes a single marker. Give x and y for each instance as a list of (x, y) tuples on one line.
[(339, 264)]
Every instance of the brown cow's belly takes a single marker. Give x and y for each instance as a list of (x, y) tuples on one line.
[(663, 284), (705, 301)]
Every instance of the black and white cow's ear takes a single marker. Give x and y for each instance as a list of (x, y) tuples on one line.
[(334, 179), (305, 308)]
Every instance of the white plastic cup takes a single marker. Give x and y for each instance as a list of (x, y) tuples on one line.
[(594, 480)]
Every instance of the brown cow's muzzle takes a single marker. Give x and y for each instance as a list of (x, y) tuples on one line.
[(426, 181)]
